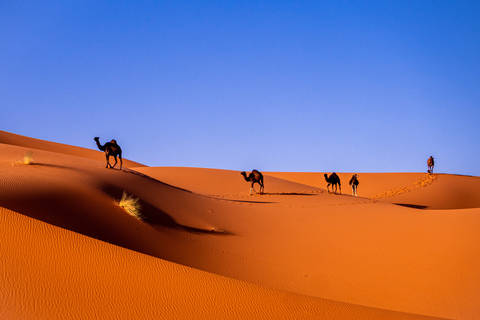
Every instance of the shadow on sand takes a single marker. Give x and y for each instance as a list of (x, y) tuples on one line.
[(414, 206), (158, 218)]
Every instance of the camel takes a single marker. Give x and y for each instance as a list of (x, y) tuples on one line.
[(333, 180), (111, 149), (254, 177), (430, 164), (354, 184)]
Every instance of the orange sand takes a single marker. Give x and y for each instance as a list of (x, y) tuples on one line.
[(407, 248)]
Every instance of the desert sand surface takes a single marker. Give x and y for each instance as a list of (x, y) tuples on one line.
[(407, 247)]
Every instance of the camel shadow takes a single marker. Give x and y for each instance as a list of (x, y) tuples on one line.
[(290, 194), (244, 201), (269, 194)]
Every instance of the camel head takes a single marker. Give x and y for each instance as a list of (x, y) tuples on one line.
[(96, 138), (244, 174)]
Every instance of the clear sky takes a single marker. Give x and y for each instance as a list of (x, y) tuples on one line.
[(346, 86)]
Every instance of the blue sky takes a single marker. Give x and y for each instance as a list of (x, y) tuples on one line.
[(346, 86)]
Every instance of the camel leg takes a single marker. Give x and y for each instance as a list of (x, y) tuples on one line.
[(115, 157), (108, 162)]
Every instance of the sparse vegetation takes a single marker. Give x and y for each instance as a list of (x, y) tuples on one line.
[(130, 205), (27, 159)]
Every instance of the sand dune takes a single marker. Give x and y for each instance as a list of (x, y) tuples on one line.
[(36, 144), (444, 191), (52, 273), (407, 248)]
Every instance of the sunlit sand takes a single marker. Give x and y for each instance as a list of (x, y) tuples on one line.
[(407, 247)]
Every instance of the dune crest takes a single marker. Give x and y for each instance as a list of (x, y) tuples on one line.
[(427, 180)]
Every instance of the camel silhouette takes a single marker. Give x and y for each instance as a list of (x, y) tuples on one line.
[(254, 177), (111, 149), (333, 180), (430, 164), (354, 184)]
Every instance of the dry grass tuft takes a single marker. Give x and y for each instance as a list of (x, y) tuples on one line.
[(27, 159), (130, 205)]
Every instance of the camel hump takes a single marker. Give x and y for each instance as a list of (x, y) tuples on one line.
[(256, 173), (337, 177)]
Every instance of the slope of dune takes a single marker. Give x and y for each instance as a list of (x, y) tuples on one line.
[(36, 144), (310, 252), (419, 190), (53, 273)]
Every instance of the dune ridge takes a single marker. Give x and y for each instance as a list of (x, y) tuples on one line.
[(427, 180), (207, 248), (37, 144)]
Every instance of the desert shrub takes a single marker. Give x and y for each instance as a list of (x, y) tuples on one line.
[(130, 205), (27, 159)]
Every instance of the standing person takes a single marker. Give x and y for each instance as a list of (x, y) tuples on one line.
[(430, 164)]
